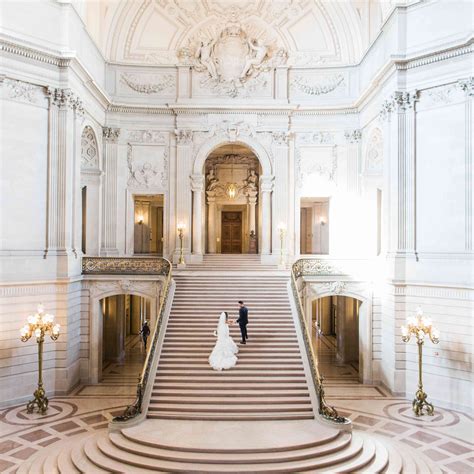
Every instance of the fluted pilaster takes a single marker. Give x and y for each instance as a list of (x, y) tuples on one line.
[(399, 114), (109, 234), (64, 107)]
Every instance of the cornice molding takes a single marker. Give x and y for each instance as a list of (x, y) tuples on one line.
[(71, 61), (139, 109), (35, 54), (434, 57)]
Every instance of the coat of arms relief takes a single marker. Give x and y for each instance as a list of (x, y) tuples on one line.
[(232, 59)]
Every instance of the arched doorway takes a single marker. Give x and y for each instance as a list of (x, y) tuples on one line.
[(233, 210), (122, 351), (336, 336), (200, 184)]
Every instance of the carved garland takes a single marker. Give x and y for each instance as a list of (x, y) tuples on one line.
[(331, 84), (132, 81)]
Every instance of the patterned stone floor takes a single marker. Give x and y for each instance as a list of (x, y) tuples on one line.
[(447, 437)]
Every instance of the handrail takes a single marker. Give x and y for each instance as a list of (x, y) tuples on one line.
[(326, 411), (136, 266)]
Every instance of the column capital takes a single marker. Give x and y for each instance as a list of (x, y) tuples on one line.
[(280, 138), (184, 136), (399, 101), (197, 182), (64, 98), (353, 136), (110, 134), (467, 86)]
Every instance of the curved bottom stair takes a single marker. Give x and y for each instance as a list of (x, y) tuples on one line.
[(228, 447)]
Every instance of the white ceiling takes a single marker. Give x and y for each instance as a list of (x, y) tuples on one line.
[(313, 32)]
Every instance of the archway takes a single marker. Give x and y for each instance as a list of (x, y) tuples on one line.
[(335, 335), (218, 165), (121, 351), (233, 207), (99, 290)]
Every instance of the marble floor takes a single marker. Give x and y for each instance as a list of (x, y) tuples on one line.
[(447, 437)]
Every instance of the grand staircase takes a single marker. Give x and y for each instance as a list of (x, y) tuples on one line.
[(255, 418), (268, 382)]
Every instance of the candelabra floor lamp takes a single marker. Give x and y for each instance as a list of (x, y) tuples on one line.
[(180, 228), (39, 325), (282, 231), (419, 327)]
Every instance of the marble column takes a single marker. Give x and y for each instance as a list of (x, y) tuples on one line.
[(211, 222), (109, 212), (184, 157), (281, 190), (197, 187), (64, 108), (399, 114), (266, 188), (398, 117)]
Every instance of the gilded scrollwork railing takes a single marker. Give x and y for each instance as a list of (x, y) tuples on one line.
[(299, 269), (136, 266), (125, 266)]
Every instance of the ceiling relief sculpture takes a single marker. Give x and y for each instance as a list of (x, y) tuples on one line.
[(233, 42), (232, 58)]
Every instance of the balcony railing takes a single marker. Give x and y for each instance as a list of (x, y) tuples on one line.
[(125, 266), (301, 268)]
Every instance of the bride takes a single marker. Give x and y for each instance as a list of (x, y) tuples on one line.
[(223, 355)]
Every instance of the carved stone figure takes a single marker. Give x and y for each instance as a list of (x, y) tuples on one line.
[(205, 57), (251, 181), (212, 181), (255, 58)]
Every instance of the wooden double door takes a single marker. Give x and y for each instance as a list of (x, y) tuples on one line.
[(231, 232)]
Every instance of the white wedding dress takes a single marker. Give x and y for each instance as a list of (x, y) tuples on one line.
[(223, 355)]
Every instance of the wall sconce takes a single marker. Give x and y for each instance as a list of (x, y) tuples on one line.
[(420, 326), (322, 221), (140, 219)]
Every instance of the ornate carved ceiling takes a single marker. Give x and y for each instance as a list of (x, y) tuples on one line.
[(311, 32)]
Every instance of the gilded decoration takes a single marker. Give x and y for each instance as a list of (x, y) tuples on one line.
[(125, 266), (309, 267)]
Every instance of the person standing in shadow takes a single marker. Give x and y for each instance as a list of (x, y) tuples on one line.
[(145, 332), (243, 321)]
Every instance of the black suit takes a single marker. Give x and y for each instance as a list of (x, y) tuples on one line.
[(243, 321)]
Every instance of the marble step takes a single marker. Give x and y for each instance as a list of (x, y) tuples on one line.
[(219, 416), (193, 446), (231, 393), (210, 457)]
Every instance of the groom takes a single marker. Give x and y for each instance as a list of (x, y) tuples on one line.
[(243, 321)]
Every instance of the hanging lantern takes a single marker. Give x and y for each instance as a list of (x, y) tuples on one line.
[(231, 191)]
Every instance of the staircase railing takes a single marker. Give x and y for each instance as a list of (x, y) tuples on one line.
[(326, 411), (136, 266)]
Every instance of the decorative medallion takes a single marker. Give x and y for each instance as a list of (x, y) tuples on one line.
[(232, 59)]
